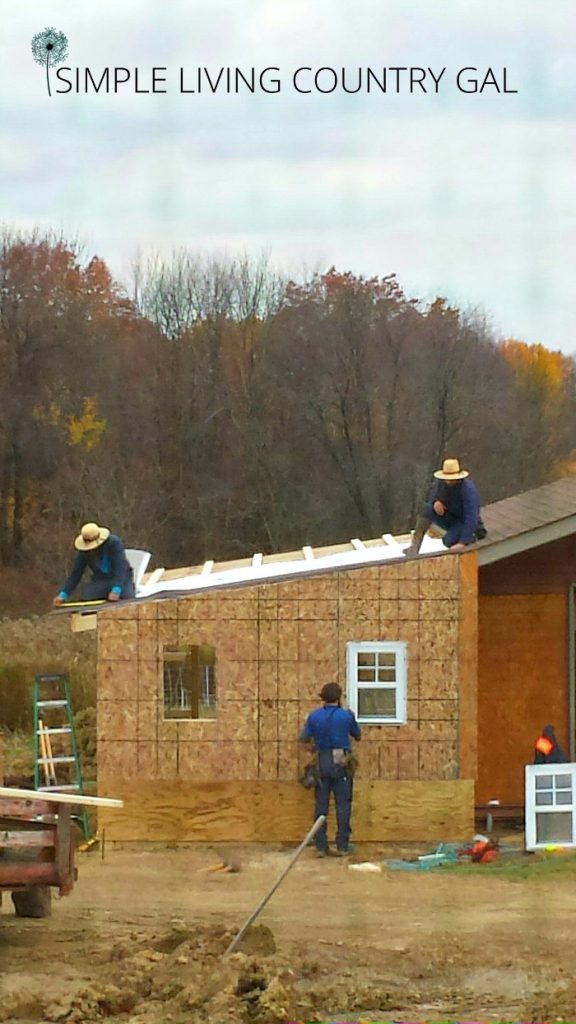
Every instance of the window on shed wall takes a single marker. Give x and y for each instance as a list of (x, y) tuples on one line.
[(189, 673), (550, 805), (377, 682)]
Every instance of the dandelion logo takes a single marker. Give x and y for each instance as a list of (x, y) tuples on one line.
[(49, 48)]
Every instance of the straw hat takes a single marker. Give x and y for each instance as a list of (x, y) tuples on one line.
[(91, 536), (451, 471)]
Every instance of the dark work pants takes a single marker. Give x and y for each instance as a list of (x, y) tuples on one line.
[(453, 526), (339, 783)]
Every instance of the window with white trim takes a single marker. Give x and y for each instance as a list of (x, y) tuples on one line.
[(550, 805), (189, 681), (377, 682)]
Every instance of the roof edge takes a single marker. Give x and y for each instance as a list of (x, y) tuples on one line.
[(535, 538)]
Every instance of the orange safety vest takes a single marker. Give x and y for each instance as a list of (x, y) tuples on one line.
[(544, 745)]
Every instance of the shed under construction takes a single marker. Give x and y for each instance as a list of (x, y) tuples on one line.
[(452, 663)]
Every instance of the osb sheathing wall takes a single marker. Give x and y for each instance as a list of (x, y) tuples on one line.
[(276, 644), (523, 641)]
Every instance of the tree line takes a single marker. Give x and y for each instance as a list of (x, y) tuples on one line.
[(211, 407)]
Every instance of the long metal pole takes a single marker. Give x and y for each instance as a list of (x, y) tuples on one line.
[(317, 824), (572, 668)]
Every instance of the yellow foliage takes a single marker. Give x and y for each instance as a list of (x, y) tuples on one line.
[(537, 365), (86, 431)]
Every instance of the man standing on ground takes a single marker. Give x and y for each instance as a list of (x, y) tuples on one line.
[(332, 728), (103, 553), (454, 505)]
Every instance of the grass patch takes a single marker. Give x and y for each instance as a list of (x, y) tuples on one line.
[(18, 753), (18, 748), (521, 867)]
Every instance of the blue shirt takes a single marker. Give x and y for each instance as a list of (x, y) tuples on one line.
[(462, 503), (331, 728), (106, 562)]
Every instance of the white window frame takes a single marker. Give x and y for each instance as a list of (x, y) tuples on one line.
[(539, 771), (397, 647)]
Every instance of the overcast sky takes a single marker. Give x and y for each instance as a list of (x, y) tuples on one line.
[(469, 196)]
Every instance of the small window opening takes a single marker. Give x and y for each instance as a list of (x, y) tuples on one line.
[(189, 681)]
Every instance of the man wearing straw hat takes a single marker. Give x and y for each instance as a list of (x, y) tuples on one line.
[(454, 505), (103, 553)]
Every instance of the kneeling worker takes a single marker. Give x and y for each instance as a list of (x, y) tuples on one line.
[(454, 505), (332, 728), (103, 553)]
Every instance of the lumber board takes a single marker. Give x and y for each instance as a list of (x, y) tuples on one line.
[(64, 860), (23, 809), (271, 811), (22, 873), (28, 839), (55, 798), (82, 623)]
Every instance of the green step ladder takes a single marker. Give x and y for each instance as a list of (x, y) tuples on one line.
[(56, 761)]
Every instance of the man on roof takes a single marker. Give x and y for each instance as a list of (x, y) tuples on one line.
[(454, 505), (103, 553)]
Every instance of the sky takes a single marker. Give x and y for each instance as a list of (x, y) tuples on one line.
[(467, 195)]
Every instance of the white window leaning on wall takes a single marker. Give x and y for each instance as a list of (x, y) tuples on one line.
[(377, 682), (550, 805)]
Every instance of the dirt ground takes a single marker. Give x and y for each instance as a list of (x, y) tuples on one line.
[(141, 939)]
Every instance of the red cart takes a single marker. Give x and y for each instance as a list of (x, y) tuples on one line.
[(37, 845)]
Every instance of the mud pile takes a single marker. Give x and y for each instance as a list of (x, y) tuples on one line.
[(177, 974)]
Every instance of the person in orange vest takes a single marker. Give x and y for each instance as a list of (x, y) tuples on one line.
[(547, 750)]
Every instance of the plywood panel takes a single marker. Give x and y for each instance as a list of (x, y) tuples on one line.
[(118, 719), (117, 680), (468, 667), (236, 680), (362, 608), (118, 640), (288, 641), (438, 679), (268, 680), (522, 685), (268, 640), (389, 589), (282, 811)]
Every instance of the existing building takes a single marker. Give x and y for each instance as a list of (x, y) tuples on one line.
[(452, 662)]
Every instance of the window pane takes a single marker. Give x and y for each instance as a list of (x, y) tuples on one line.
[(386, 658), (376, 703), (544, 782), (554, 827), (563, 797), (544, 799), (387, 675), (366, 675), (366, 657), (563, 781)]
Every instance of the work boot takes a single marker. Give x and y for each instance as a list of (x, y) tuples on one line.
[(420, 529)]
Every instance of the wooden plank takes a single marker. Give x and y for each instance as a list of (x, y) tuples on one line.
[(54, 798), (29, 839), (32, 808), (83, 623), (64, 860), (270, 811), (16, 873)]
